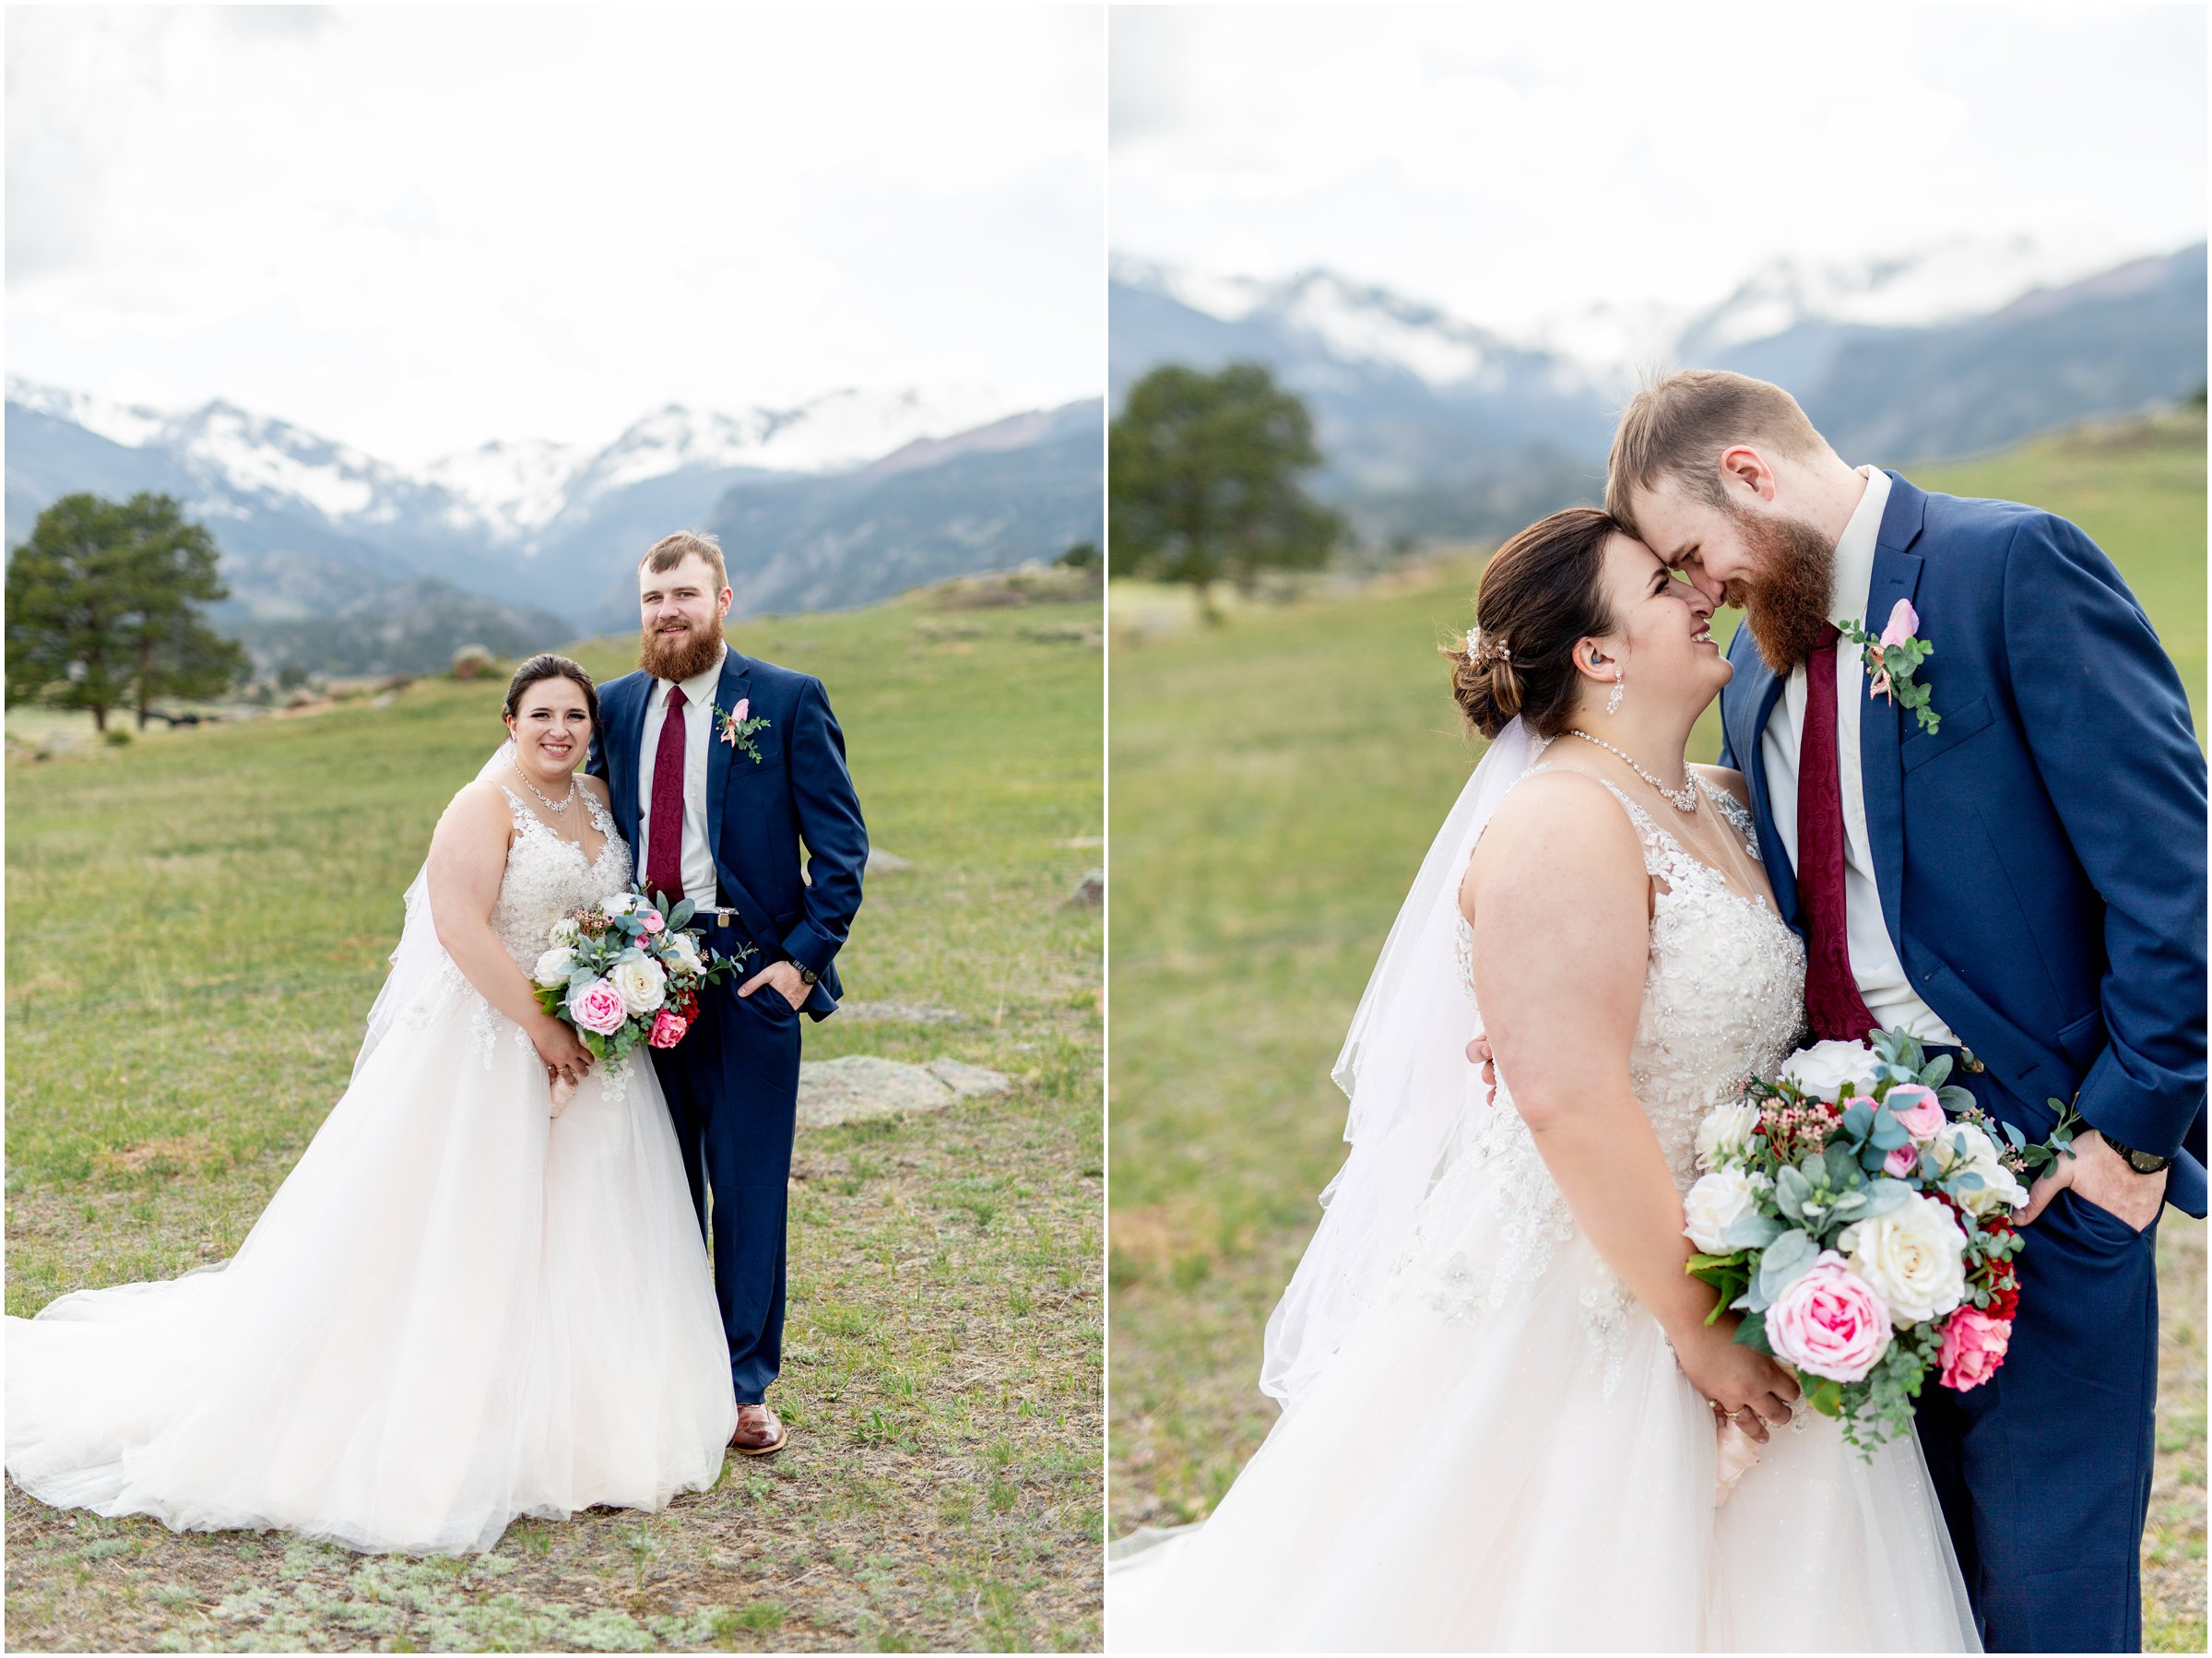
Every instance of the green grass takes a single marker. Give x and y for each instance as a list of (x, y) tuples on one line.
[(1274, 785), (198, 924)]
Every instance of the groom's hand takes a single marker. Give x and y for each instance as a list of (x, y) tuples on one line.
[(2101, 1177), (783, 977), (1479, 1053)]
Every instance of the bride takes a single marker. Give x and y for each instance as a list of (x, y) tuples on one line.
[(466, 1303), (1506, 1422)]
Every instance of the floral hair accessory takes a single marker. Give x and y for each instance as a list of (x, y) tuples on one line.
[(1483, 651)]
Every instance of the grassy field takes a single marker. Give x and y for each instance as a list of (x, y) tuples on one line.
[(944, 1347), (1274, 785)]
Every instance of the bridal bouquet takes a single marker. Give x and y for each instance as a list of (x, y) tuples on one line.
[(626, 971), (1857, 1212)]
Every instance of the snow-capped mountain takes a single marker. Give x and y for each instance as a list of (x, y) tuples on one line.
[(1434, 424), (311, 527)]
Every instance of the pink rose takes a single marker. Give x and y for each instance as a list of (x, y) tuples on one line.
[(1973, 1346), (649, 922), (1904, 621), (667, 1029), (598, 1007), (744, 707), (1902, 1161), (1829, 1321), (1918, 1111)]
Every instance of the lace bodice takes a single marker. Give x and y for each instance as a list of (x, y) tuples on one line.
[(546, 877), (1723, 998)]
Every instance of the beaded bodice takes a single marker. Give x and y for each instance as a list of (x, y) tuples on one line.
[(548, 876), (1723, 998)]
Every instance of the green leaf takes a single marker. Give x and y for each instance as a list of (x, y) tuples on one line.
[(685, 909), (1935, 1072), (1754, 1232), (1752, 1334), (1783, 1263)]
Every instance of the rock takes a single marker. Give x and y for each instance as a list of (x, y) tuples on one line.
[(966, 1082), (1090, 890), (881, 862), (899, 1013), (858, 1086)]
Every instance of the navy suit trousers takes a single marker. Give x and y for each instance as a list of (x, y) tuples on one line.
[(2044, 1470), (732, 1085)]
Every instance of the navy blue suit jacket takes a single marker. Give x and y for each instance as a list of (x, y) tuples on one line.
[(760, 812), (2041, 856)]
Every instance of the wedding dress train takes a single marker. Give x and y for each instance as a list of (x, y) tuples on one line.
[(457, 1309), (1502, 1453)]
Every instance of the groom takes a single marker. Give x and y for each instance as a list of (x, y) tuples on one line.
[(2023, 886), (719, 767)]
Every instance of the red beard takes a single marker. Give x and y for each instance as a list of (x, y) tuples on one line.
[(1786, 605), (678, 656)]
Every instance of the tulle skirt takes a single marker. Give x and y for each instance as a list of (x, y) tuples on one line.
[(455, 1310), (1530, 1471)]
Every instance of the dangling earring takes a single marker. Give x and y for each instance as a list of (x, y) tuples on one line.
[(1620, 678)]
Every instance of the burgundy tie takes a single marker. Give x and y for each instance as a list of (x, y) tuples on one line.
[(664, 848), (1832, 1001)]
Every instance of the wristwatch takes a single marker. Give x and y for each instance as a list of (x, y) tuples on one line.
[(2142, 1163), (807, 975)]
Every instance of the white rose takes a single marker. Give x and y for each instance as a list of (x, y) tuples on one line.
[(1914, 1257), (1725, 1128), (683, 952), (1717, 1201), (619, 904), (642, 983), (566, 934), (1999, 1187), (1824, 1068), (554, 966)]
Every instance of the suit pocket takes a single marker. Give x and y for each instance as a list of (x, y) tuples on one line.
[(1954, 729)]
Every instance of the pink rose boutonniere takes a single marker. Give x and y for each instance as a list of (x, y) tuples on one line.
[(737, 726), (1893, 659)]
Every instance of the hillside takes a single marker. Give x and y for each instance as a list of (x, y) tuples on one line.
[(1438, 427), (1264, 831), (847, 498), (943, 1349)]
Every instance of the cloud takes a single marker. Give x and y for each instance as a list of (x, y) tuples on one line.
[(1507, 159), (420, 228)]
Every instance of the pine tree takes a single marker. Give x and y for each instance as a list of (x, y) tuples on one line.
[(1202, 479), (103, 609)]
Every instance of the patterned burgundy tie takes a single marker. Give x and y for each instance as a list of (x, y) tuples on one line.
[(663, 839), (1833, 1000)]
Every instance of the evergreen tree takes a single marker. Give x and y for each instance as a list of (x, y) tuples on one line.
[(103, 609), (1203, 481)]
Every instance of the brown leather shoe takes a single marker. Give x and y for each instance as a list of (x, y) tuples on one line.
[(761, 1432)]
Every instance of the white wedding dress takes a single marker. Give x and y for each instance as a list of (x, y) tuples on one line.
[(1502, 1453), (457, 1309)]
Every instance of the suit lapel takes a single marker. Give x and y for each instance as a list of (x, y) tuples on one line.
[(1881, 767), (628, 735), (1745, 707), (729, 690)]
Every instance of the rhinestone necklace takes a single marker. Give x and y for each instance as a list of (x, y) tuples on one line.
[(552, 805), (1682, 799)]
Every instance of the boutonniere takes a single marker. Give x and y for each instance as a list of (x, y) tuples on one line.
[(734, 727), (1894, 659)]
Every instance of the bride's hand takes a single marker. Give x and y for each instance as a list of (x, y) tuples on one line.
[(1749, 1387), (563, 1053)]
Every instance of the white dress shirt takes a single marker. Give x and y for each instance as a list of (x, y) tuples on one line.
[(698, 865), (1888, 994)]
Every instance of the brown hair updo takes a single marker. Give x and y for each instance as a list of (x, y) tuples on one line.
[(1541, 591), (547, 666)]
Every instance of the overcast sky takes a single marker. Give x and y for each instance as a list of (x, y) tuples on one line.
[(418, 229), (1513, 162)]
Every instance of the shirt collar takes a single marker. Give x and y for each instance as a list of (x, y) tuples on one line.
[(700, 688), (1855, 551)]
